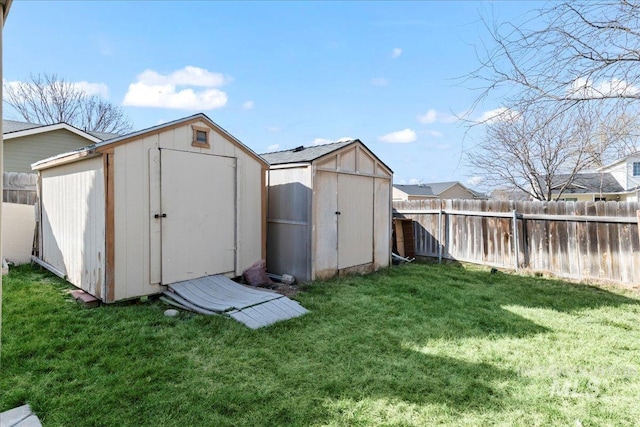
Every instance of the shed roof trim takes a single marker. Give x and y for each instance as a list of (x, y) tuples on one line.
[(304, 154), (42, 164)]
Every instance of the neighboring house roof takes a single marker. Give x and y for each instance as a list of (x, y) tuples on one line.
[(416, 190), (9, 126), (304, 154), (434, 189), (14, 129), (588, 183)]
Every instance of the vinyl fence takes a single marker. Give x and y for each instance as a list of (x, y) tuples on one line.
[(578, 240)]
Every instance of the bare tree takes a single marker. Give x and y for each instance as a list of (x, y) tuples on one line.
[(49, 99), (572, 52), (540, 153), (570, 71)]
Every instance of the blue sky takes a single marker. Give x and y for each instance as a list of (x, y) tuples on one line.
[(275, 74)]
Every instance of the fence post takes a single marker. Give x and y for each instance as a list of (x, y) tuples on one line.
[(440, 236), (515, 237)]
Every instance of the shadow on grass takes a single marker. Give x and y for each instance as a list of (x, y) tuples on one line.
[(354, 346)]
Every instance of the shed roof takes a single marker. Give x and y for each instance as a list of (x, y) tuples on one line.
[(103, 145), (304, 154)]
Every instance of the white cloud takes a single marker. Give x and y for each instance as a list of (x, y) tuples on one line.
[(414, 181), (273, 147), (396, 52), (273, 129), (583, 88), (475, 180), (345, 138), (501, 114), (432, 116), (248, 105), (400, 137), (91, 89), (429, 117), (187, 76), (379, 81), (434, 133), (156, 90)]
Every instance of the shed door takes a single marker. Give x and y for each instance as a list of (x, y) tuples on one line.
[(355, 222), (198, 198)]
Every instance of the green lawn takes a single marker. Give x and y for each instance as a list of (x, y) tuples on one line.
[(417, 345)]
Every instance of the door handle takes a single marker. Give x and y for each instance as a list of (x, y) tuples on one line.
[(338, 212), (158, 215)]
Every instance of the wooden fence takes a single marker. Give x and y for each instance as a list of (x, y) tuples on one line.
[(19, 188), (577, 240)]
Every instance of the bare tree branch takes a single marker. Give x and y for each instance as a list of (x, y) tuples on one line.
[(49, 99)]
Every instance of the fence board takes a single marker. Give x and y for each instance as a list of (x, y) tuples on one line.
[(582, 240)]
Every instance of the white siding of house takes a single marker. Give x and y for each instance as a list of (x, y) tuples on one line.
[(73, 222), (619, 172), (632, 181), (18, 225)]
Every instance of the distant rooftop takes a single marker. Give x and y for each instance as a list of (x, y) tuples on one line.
[(10, 126), (588, 183)]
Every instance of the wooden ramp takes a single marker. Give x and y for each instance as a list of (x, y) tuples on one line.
[(220, 295)]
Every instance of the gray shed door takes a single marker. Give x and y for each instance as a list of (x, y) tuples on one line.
[(198, 199)]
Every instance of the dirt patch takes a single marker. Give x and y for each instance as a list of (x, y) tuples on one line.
[(289, 291)]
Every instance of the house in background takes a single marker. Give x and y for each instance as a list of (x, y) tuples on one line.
[(26, 143), (435, 190), (617, 181)]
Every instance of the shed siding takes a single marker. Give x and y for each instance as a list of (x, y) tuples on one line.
[(251, 195), (351, 181), (325, 224), (137, 235), (382, 223), (73, 222), (20, 153), (132, 220), (289, 232)]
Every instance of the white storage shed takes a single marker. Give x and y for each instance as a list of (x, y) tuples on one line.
[(122, 218), (329, 211)]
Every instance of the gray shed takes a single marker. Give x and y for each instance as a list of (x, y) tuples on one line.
[(329, 211)]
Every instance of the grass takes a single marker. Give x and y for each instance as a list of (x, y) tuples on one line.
[(414, 345)]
